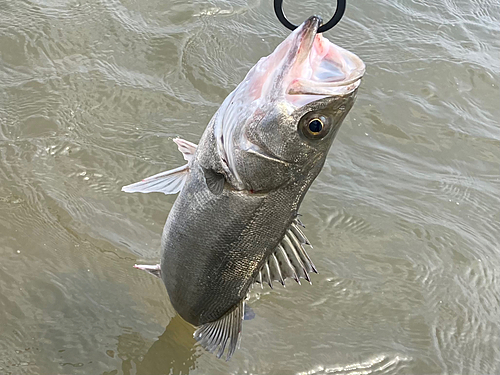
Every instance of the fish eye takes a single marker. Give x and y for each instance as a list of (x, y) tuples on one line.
[(314, 127)]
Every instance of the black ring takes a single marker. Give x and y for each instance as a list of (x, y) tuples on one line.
[(339, 12)]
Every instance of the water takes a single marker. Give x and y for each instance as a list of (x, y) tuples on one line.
[(404, 218)]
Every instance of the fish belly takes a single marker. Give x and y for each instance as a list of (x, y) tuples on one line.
[(214, 245)]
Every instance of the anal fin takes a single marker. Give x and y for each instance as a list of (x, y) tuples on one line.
[(288, 260), (222, 333)]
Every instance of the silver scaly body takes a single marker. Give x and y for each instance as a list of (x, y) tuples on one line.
[(235, 221)]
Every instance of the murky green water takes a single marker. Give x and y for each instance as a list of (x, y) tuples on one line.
[(404, 219)]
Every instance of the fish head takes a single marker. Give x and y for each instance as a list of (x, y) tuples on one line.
[(280, 122)]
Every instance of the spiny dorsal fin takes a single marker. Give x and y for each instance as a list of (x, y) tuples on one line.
[(187, 148), (226, 331), (215, 181), (289, 259), (169, 182), (154, 270)]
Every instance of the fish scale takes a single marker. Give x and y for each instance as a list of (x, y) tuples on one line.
[(258, 224)]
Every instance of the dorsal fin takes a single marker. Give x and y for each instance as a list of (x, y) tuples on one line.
[(226, 331), (187, 148), (289, 259), (169, 182), (154, 270)]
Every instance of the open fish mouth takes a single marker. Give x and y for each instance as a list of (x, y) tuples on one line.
[(312, 65), (305, 67)]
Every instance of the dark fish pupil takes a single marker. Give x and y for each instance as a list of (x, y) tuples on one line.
[(315, 126)]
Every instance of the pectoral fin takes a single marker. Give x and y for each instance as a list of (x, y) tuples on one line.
[(223, 332), (215, 181), (169, 182), (289, 259)]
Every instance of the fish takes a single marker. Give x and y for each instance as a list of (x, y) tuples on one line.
[(235, 222)]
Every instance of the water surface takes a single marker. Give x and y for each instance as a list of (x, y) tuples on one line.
[(404, 218)]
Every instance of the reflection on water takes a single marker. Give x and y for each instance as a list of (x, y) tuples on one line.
[(404, 218), (173, 353)]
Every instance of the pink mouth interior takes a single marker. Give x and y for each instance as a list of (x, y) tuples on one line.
[(325, 61), (314, 70), (327, 70)]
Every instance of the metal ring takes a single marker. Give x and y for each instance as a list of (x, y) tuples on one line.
[(339, 12)]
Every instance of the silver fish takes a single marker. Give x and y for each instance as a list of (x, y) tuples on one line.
[(235, 221)]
